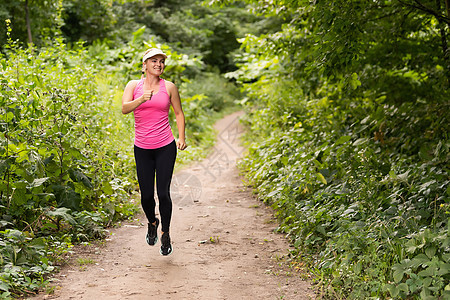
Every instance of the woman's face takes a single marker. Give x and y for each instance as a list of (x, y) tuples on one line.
[(155, 65)]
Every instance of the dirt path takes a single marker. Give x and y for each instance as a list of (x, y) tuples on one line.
[(223, 238)]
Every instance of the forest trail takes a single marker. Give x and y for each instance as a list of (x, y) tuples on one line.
[(224, 243)]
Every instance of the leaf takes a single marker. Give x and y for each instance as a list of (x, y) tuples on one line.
[(4, 286), (9, 117), (63, 213), (343, 139), (403, 287), (39, 243), (360, 141), (284, 160), (430, 252), (67, 197), (80, 177), (398, 275), (444, 268), (354, 81), (272, 193), (321, 229), (138, 33), (428, 272), (20, 196), (321, 178), (393, 290), (4, 164), (420, 259), (357, 268), (38, 182), (403, 176), (107, 188)]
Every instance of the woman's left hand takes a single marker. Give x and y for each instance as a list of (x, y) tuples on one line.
[(181, 144)]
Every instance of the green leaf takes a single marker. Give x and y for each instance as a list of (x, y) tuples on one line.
[(9, 116), (420, 259), (67, 197), (4, 286), (357, 268), (393, 290), (38, 182), (403, 287), (354, 81), (343, 139), (321, 178), (321, 229), (426, 282), (20, 196), (63, 213), (398, 275), (360, 141), (444, 268), (81, 177), (107, 188), (430, 252), (429, 271)]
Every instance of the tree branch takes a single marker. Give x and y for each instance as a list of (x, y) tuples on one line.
[(441, 17), (447, 5)]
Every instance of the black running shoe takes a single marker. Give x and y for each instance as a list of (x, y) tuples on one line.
[(166, 247), (152, 233)]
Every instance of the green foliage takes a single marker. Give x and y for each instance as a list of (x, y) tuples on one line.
[(43, 19), (188, 26), (61, 173), (87, 20), (24, 262), (348, 141)]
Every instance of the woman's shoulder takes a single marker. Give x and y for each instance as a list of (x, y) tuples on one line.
[(169, 85), (133, 83)]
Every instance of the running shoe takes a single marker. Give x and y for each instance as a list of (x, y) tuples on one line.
[(166, 247), (152, 233)]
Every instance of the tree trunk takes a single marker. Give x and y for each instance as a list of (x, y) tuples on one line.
[(444, 44), (447, 5), (27, 17)]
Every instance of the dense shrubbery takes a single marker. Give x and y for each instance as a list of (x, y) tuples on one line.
[(348, 140), (60, 170)]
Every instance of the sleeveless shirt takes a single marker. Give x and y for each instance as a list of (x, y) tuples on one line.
[(151, 118)]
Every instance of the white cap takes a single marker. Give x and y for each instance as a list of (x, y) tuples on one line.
[(153, 52)]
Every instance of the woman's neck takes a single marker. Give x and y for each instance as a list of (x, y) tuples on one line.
[(151, 79)]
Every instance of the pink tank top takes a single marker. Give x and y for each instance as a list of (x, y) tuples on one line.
[(151, 118)]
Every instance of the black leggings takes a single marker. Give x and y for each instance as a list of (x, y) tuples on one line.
[(160, 161)]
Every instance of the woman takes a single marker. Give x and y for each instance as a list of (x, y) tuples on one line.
[(155, 148)]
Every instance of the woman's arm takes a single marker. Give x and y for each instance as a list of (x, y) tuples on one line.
[(128, 104), (179, 114)]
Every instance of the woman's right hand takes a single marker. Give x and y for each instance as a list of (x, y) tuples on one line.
[(146, 96)]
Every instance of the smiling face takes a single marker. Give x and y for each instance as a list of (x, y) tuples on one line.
[(155, 65)]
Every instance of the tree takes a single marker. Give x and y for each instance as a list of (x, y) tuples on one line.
[(30, 19)]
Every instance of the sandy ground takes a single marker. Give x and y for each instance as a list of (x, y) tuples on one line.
[(224, 244)]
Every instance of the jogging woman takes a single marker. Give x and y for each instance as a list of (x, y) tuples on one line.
[(155, 148)]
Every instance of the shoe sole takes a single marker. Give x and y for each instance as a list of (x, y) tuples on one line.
[(171, 251)]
